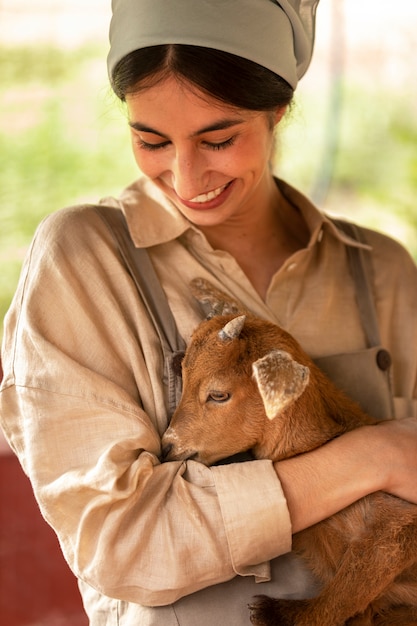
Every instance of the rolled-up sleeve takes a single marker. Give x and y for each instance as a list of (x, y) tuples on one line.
[(255, 515)]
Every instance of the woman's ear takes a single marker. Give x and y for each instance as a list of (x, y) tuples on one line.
[(279, 114)]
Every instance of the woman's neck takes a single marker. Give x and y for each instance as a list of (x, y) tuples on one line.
[(262, 240)]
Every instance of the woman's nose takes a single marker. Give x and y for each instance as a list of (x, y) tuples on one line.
[(188, 174)]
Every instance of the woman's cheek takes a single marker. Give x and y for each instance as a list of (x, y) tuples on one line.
[(147, 163)]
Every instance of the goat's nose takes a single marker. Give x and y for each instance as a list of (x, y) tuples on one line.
[(166, 449)]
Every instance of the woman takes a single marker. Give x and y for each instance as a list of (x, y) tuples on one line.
[(84, 399)]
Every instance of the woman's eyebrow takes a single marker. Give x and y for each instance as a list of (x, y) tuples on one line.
[(144, 129), (223, 124)]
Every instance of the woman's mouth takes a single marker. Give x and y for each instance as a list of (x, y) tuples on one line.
[(206, 197), (209, 200)]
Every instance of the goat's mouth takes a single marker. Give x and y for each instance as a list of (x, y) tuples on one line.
[(171, 453), (190, 456)]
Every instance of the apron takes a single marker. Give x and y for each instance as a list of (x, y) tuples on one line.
[(363, 375)]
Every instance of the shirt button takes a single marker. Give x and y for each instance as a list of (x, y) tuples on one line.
[(383, 359), (291, 267)]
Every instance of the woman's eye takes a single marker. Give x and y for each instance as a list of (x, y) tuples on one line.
[(144, 145), (221, 145), (218, 396)]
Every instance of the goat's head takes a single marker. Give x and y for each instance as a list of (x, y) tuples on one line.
[(239, 374)]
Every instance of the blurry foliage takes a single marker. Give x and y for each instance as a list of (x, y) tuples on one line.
[(40, 65), (64, 140), (59, 143), (374, 166), (380, 162)]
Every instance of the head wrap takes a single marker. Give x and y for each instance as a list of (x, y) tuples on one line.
[(278, 35)]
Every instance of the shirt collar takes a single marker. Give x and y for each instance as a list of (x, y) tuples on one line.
[(317, 221), (153, 219)]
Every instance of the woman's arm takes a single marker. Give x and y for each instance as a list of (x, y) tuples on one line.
[(82, 404), (372, 458)]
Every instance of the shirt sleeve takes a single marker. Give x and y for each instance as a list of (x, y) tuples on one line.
[(80, 404)]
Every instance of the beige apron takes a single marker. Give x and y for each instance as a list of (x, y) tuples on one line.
[(363, 375)]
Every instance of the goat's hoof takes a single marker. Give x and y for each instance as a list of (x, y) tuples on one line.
[(260, 614), (266, 611)]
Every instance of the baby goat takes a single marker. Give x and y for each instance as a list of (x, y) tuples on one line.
[(248, 385)]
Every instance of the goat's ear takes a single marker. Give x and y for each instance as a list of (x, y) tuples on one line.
[(280, 380)]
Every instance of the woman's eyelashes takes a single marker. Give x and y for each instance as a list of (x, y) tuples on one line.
[(211, 145), (144, 145), (221, 144)]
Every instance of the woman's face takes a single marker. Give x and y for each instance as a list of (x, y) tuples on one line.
[(209, 158)]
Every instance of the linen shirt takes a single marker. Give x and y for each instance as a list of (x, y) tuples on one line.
[(82, 400)]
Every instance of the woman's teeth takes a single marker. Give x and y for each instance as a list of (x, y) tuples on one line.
[(206, 197)]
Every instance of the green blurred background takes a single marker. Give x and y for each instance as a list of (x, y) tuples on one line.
[(349, 141)]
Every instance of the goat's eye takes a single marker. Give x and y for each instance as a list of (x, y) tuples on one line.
[(218, 396)]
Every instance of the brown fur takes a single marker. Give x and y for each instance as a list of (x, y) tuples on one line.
[(366, 555)]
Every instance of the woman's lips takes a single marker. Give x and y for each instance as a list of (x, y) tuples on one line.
[(205, 197), (209, 200)]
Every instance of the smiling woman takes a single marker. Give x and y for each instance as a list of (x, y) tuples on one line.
[(207, 144), (89, 388), (211, 159)]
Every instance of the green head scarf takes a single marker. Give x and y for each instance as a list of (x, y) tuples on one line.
[(278, 35)]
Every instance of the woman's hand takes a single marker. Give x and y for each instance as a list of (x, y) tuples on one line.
[(371, 458)]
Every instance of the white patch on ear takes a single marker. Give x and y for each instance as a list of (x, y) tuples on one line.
[(280, 380)]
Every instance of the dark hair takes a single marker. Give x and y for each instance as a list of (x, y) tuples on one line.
[(227, 77)]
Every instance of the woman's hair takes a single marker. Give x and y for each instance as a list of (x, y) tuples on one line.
[(226, 77)]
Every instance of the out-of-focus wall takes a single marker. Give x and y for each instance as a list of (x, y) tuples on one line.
[(66, 23)]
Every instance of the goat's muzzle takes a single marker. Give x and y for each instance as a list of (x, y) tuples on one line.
[(172, 452)]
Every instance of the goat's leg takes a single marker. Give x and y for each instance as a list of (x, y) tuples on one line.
[(364, 574), (264, 613)]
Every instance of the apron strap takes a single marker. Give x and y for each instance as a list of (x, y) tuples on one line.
[(140, 266), (367, 384), (361, 269)]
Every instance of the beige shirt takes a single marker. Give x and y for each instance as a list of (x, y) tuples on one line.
[(82, 400)]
